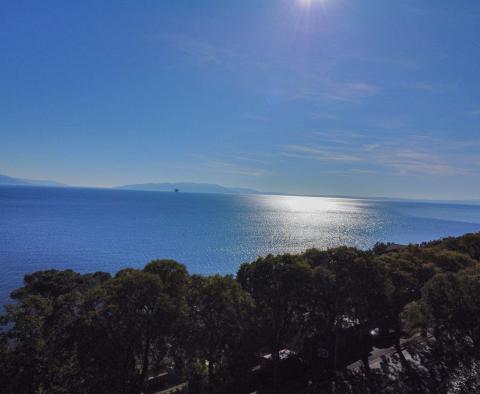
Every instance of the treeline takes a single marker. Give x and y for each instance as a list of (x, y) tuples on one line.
[(70, 333)]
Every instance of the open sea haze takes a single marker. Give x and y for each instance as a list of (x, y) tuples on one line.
[(91, 230)]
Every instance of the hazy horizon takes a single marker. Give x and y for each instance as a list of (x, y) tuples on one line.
[(319, 97), (236, 190)]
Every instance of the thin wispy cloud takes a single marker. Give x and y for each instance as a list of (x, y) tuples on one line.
[(349, 172), (474, 112), (415, 155), (395, 60), (327, 90), (318, 153), (324, 115), (423, 155), (254, 117), (294, 80), (412, 162), (202, 52), (371, 147), (426, 86), (221, 165), (350, 91), (340, 137), (391, 122), (251, 158)]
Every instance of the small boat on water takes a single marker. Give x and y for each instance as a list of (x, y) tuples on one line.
[(176, 190)]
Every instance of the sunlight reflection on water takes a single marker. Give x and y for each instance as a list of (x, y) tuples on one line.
[(89, 230), (305, 222)]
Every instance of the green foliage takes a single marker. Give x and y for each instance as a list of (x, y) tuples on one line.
[(219, 313), (279, 286), (451, 305), (468, 244), (73, 333), (174, 276)]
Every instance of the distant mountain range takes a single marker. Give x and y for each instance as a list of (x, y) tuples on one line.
[(191, 187), (10, 181), (188, 187)]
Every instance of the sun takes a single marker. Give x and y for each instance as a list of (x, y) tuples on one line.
[(308, 3)]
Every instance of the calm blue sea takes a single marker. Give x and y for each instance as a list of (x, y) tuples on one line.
[(91, 229)]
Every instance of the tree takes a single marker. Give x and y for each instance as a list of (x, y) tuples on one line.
[(364, 281), (141, 316), (447, 260), (174, 276), (73, 333), (175, 279), (40, 352), (324, 313), (449, 310), (219, 314), (279, 286), (451, 305)]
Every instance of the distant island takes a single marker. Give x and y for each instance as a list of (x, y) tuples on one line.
[(193, 187), (188, 187), (11, 181)]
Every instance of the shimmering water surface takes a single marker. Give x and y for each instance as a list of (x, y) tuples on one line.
[(90, 230)]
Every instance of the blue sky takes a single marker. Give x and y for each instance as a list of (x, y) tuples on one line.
[(351, 97)]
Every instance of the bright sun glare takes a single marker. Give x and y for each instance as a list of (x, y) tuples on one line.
[(305, 2), (309, 3)]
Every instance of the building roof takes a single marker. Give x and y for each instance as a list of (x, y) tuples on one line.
[(282, 354)]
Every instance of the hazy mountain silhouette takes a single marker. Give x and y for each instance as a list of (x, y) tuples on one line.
[(11, 181), (187, 187)]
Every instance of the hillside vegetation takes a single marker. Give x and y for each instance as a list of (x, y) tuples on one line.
[(70, 333)]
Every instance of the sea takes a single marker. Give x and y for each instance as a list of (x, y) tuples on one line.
[(90, 230)]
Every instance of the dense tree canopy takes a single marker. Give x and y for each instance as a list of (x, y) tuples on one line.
[(70, 333)]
